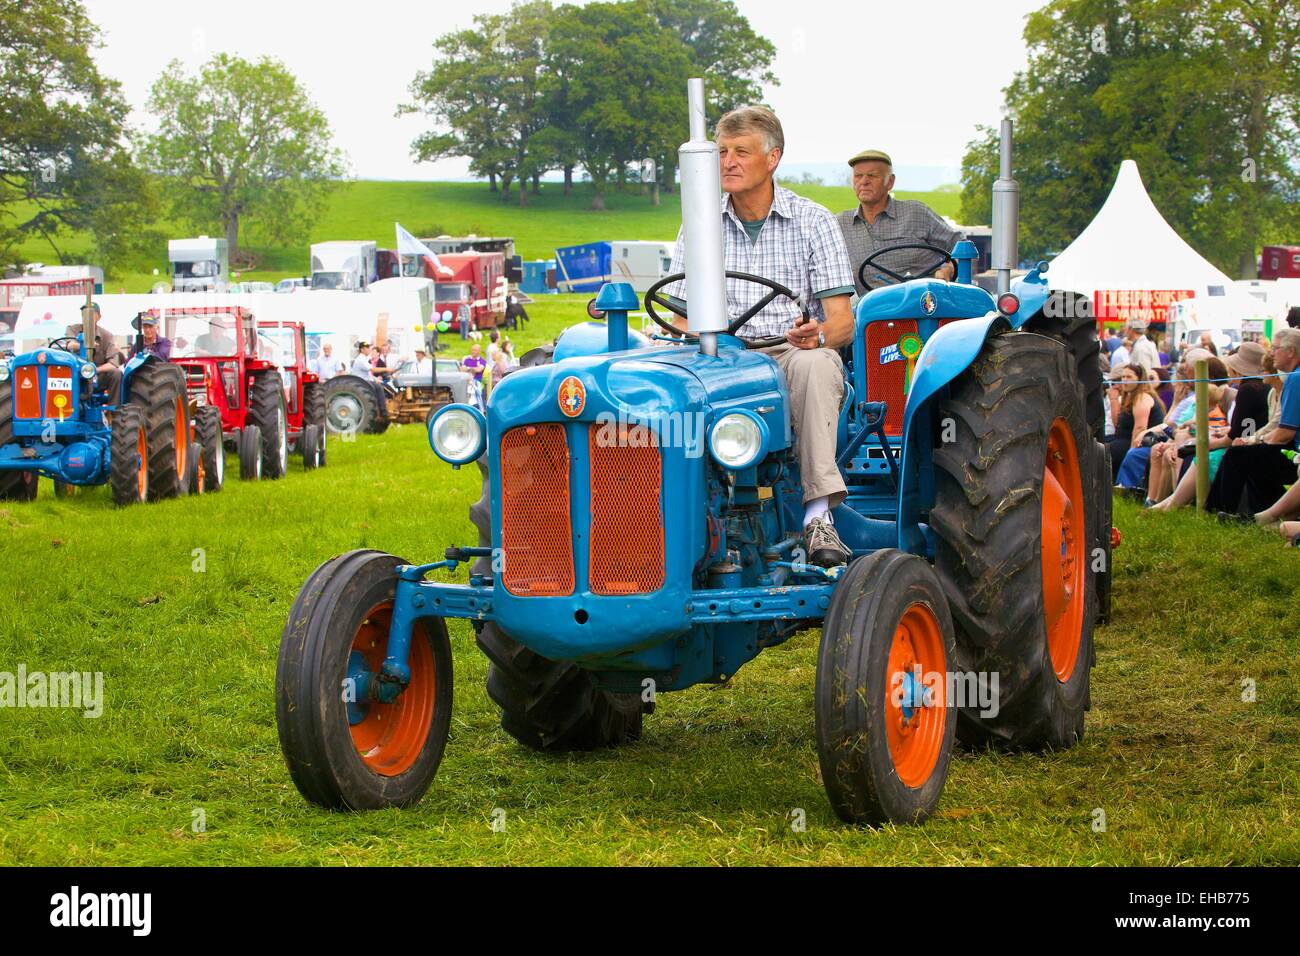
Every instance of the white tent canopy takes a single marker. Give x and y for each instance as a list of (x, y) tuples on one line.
[(1129, 246)]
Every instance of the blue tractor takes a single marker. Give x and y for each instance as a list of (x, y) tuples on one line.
[(57, 421), (639, 532)]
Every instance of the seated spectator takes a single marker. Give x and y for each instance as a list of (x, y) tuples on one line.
[(1250, 406), (1171, 487), (1135, 407), (1254, 475)]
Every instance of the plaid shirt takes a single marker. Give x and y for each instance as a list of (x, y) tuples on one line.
[(903, 220), (799, 246)]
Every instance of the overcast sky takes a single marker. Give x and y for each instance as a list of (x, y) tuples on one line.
[(912, 78)]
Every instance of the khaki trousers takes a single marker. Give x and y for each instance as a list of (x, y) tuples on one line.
[(816, 381)]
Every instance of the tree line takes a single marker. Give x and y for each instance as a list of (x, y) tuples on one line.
[(1203, 94), (600, 87)]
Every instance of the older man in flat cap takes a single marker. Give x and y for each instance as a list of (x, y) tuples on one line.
[(880, 221)]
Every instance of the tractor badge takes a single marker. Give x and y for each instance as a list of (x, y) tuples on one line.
[(928, 304), (573, 396)]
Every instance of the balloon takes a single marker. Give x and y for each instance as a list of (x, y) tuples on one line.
[(444, 326)]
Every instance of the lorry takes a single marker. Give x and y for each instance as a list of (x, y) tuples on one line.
[(639, 533), (474, 291), (13, 292), (198, 265), (344, 265), (443, 245)]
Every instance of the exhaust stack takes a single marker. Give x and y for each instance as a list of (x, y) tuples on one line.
[(706, 282), (1006, 214)]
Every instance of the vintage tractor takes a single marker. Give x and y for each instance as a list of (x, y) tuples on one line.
[(639, 532), (217, 349), (56, 421)]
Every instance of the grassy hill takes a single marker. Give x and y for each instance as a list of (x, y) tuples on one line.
[(367, 210)]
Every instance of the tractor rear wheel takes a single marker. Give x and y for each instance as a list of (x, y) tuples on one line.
[(250, 453), (359, 754), (266, 410), (545, 704), (313, 404), (158, 390), (207, 428), (885, 724), (352, 405), (1013, 516), (1068, 318), (128, 456), (14, 485)]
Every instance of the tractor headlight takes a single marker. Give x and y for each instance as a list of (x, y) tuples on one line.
[(738, 440), (4, 371), (457, 434), (87, 371)]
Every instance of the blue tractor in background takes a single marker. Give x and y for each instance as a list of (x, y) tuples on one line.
[(639, 532), (58, 422)]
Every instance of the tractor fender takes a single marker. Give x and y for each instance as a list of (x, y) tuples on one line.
[(947, 353), (134, 363)]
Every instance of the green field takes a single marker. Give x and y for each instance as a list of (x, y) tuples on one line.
[(1185, 770), (367, 210)]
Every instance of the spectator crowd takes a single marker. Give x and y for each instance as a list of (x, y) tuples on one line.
[(1253, 424)]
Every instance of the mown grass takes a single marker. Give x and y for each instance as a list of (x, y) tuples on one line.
[(1184, 769), (366, 209)]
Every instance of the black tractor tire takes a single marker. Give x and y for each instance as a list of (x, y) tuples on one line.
[(353, 406), (207, 428), (196, 483), (313, 404), (1068, 317), (988, 520), (545, 704), (127, 467), (1101, 552), (14, 485), (250, 453), (342, 609), (309, 445), (64, 490), (887, 605), (268, 411), (158, 390)]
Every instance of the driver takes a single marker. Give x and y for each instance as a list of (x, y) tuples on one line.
[(880, 221), (771, 232), (107, 357)]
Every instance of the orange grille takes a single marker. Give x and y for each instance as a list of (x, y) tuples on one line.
[(885, 382), (27, 392), (627, 531), (535, 534)]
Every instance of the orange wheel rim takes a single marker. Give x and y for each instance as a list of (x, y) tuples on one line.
[(390, 737), (1063, 546), (182, 439), (916, 685), (142, 476)]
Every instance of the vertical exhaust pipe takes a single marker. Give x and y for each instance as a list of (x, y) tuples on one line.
[(1006, 214), (706, 282)]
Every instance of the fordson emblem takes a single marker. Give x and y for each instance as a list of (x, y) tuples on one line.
[(573, 396), (928, 305)]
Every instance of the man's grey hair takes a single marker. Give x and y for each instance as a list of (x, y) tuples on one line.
[(753, 119), (1288, 338)]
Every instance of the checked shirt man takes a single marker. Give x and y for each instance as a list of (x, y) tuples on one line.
[(771, 232)]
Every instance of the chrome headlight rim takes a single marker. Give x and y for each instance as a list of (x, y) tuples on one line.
[(449, 415), (5, 371), (88, 371), (750, 422)]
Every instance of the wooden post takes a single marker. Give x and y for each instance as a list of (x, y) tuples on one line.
[(1202, 433)]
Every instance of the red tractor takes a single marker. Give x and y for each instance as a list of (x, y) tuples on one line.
[(218, 348), (284, 344)]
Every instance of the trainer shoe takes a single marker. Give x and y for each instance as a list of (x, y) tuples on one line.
[(822, 545)]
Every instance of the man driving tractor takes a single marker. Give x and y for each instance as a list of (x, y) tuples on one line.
[(880, 221), (107, 356), (772, 232)]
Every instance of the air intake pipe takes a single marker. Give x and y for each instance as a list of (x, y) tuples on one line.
[(706, 282)]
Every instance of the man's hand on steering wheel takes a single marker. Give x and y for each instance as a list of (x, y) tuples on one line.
[(653, 298)]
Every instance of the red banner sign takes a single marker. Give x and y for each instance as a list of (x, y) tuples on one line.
[(1136, 305)]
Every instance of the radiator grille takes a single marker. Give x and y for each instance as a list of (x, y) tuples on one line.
[(885, 380), (536, 539), (627, 531)]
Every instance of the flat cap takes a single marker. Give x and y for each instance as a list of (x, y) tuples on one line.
[(874, 155)]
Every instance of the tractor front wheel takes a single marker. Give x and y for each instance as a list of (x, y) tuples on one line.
[(207, 428), (885, 725), (346, 751), (309, 443), (128, 457), (1014, 518), (14, 485), (250, 453)]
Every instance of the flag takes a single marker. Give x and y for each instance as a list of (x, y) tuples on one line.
[(408, 245)]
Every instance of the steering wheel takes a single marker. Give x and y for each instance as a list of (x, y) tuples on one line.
[(946, 257), (652, 298), (66, 343)]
